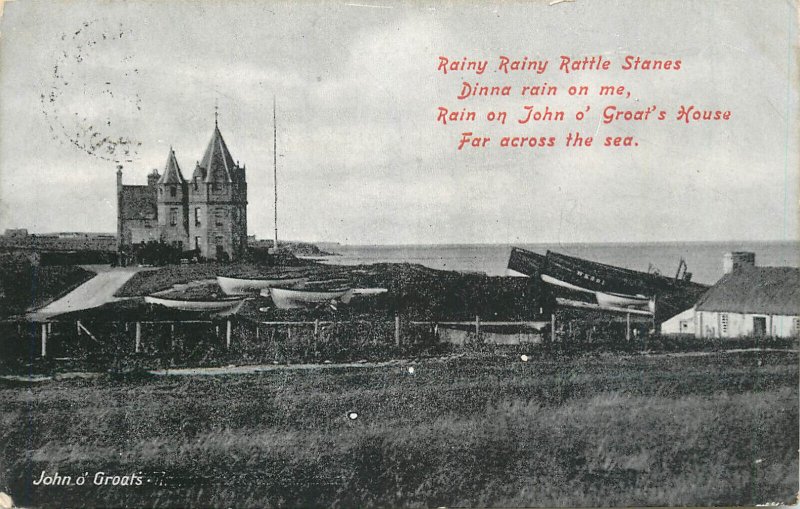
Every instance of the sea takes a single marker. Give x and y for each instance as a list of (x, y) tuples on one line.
[(704, 259)]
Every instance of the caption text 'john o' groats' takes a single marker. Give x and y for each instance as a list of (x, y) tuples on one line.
[(594, 85)]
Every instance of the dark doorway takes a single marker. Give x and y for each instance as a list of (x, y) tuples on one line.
[(759, 326)]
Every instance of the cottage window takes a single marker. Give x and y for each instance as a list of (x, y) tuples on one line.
[(723, 323), (796, 325)]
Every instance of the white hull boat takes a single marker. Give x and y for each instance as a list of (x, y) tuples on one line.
[(605, 299), (217, 306), (243, 286), (296, 298), (624, 301)]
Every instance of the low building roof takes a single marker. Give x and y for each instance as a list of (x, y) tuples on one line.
[(766, 290)]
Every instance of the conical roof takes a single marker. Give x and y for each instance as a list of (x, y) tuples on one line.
[(172, 172), (217, 161)]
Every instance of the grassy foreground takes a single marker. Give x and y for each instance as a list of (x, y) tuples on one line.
[(480, 430)]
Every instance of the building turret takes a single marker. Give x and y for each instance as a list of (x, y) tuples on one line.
[(218, 202), (173, 204)]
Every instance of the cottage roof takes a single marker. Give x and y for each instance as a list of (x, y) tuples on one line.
[(217, 161), (767, 290), (172, 172)]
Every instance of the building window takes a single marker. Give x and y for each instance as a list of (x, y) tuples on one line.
[(218, 216), (173, 191), (197, 216), (197, 242), (723, 323), (173, 217), (218, 240)]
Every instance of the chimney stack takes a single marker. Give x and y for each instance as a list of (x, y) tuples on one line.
[(737, 259)]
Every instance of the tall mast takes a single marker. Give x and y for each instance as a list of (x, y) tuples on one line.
[(275, 169)]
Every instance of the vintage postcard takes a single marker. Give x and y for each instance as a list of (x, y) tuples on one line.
[(373, 253)]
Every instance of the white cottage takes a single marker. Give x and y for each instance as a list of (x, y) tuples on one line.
[(750, 301)]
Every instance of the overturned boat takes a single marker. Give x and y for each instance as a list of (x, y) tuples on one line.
[(244, 286)]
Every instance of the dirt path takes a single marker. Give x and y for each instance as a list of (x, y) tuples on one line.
[(394, 363), (95, 292)]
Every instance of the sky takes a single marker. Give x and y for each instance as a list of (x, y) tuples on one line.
[(85, 86)]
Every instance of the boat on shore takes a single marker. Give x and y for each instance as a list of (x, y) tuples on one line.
[(525, 263), (244, 286), (222, 305), (309, 294), (611, 286)]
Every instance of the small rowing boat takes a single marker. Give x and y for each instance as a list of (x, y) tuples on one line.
[(223, 305), (309, 294), (244, 286)]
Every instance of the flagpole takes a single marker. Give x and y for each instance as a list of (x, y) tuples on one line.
[(275, 170)]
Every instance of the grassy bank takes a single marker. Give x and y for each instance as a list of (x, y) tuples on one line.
[(25, 286), (481, 430), (415, 291)]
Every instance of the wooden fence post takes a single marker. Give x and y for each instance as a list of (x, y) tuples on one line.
[(553, 327), (477, 325), (138, 347), (397, 330), (78, 327), (228, 334), (44, 340), (627, 327), (316, 327)]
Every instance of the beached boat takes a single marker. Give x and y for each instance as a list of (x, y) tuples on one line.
[(223, 305), (611, 286), (309, 294), (624, 301), (244, 286), (522, 262)]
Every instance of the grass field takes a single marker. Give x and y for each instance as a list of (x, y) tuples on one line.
[(479, 430)]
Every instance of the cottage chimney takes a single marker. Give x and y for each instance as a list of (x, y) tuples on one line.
[(737, 259)]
